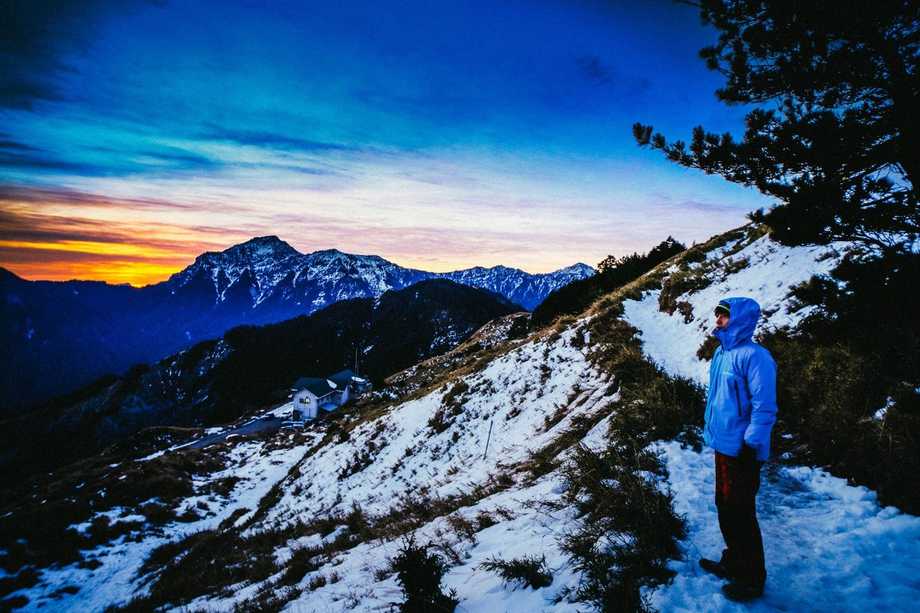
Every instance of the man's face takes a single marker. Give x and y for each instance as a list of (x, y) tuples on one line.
[(721, 320)]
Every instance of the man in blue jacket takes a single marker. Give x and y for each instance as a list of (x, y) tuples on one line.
[(740, 413)]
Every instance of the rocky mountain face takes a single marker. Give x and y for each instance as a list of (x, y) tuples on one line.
[(268, 275), (525, 289), (249, 367), (60, 335), (272, 273)]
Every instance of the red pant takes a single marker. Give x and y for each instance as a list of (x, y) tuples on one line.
[(736, 488)]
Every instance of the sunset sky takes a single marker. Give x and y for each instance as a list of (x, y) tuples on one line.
[(439, 135)]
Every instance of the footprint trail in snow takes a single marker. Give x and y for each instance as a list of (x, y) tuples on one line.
[(829, 546)]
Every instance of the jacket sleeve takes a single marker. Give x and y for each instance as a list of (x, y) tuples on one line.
[(761, 381)]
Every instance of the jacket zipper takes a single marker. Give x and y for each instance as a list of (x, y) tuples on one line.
[(712, 394)]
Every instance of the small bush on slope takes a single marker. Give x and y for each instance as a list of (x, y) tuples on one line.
[(529, 571), (213, 561), (266, 602), (302, 561), (652, 405), (628, 528), (25, 579), (546, 459), (451, 406), (419, 573)]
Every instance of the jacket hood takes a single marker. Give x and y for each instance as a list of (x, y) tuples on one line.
[(745, 313)]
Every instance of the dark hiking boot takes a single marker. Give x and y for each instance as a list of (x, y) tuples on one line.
[(716, 568), (741, 591)]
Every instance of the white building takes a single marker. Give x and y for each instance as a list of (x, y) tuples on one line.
[(313, 395)]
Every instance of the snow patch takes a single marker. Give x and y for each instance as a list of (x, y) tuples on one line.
[(829, 546)]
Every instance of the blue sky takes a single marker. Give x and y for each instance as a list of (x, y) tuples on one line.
[(438, 135)]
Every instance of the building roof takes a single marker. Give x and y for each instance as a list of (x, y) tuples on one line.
[(317, 386), (342, 378)]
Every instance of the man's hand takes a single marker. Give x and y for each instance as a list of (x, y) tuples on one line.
[(748, 455)]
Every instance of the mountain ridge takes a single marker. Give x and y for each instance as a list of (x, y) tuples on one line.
[(96, 328), (269, 258)]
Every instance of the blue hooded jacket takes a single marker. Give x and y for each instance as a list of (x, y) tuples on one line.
[(741, 407)]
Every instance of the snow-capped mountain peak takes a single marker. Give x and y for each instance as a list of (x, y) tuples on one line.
[(260, 281), (269, 245), (260, 255), (253, 251), (524, 288), (579, 270), (275, 272)]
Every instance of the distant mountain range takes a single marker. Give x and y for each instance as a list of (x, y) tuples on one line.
[(267, 274), (250, 367), (60, 335)]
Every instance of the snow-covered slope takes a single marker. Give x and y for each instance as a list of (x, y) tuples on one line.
[(761, 269), (449, 463), (828, 546)]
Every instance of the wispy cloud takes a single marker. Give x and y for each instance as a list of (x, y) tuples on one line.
[(272, 140), (40, 240), (9, 145), (21, 194)]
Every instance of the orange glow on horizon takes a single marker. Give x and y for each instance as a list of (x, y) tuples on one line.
[(134, 264), (59, 235), (62, 242), (136, 274)]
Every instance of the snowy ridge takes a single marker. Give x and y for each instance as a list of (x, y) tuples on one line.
[(489, 336), (269, 269), (829, 546), (444, 463), (410, 458), (523, 288), (771, 272)]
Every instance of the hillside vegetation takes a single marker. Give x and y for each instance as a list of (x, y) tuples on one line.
[(548, 470)]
